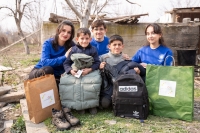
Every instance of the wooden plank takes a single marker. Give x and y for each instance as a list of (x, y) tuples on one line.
[(12, 97), (5, 108), (122, 17), (3, 68), (4, 89), (188, 10)]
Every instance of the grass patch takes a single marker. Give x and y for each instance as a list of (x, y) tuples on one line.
[(19, 126), (10, 78), (17, 106), (100, 123), (50, 126), (16, 57), (29, 61)]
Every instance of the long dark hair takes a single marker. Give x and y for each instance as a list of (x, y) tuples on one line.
[(69, 42), (157, 30)]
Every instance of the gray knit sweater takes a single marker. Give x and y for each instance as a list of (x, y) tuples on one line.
[(111, 59)]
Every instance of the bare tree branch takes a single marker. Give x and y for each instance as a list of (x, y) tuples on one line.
[(7, 8), (133, 3), (74, 9), (18, 12), (102, 7), (87, 9), (95, 6)]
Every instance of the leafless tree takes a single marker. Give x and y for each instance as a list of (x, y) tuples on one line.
[(20, 10), (35, 19), (84, 8)]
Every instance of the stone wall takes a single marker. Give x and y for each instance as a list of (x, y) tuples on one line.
[(178, 36)]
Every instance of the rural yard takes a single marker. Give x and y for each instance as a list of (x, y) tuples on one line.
[(104, 121)]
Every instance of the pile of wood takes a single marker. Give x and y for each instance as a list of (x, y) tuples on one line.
[(120, 20), (7, 95)]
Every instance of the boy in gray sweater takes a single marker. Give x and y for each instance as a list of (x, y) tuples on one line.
[(114, 57)]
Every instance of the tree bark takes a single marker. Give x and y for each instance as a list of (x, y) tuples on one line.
[(21, 34), (84, 17)]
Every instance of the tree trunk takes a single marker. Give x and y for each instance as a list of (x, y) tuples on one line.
[(21, 34), (84, 22), (26, 47)]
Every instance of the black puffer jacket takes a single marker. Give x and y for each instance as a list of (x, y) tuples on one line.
[(110, 73), (124, 67)]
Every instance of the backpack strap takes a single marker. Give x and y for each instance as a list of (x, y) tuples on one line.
[(120, 65)]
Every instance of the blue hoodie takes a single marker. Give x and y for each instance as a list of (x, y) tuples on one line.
[(51, 57)]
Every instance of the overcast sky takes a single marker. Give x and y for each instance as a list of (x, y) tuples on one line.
[(155, 8)]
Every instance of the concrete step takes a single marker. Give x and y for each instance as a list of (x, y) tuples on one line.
[(30, 126)]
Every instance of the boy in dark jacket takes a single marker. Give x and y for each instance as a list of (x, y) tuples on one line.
[(85, 48), (113, 58)]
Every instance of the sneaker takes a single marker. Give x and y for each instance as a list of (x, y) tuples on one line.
[(93, 111), (69, 117), (59, 121), (81, 111)]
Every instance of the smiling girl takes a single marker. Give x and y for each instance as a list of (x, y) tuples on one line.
[(155, 52), (55, 51)]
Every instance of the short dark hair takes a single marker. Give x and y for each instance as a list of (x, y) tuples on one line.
[(115, 38), (98, 23), (157, 30), (85, 31)]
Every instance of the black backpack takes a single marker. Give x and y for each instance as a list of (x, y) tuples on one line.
[(130, 97)]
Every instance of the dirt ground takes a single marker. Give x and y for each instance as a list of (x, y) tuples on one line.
[(16, 58), (11, 113)]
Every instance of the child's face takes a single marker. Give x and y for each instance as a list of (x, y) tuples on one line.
[(116, 47), (83, 40), (152, 37), (99, 32)]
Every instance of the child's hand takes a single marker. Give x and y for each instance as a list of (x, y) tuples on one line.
[(144, 64), (86, 71), (102, 65), (73, 72), (137, 70), (125, 56), (67, 53)]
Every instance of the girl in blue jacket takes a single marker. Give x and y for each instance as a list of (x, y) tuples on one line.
[(55, 51), (155, 52)]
